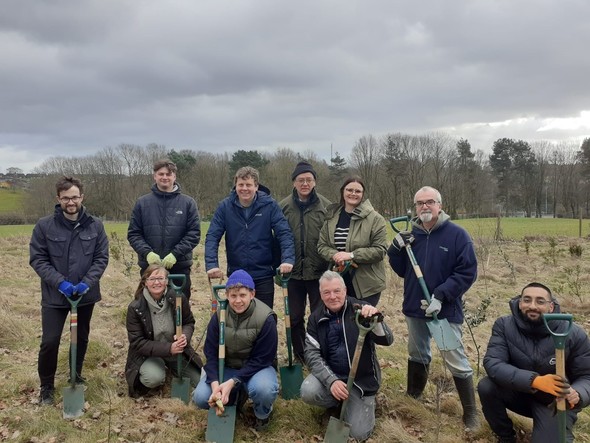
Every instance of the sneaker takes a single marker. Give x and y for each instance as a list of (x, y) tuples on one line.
[(79, 380), (46, 397), (262, 423)]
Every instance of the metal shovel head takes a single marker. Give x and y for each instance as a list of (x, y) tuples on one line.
[(443, 335), (337, 431), (291, 380), (220, 428), (73, 401), (181, 389)]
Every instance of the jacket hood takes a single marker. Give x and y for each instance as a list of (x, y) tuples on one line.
[(83, 217), (175, 190), (443, 217), (535, 329), (361, 211)]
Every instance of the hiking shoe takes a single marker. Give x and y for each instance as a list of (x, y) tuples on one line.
[(262, 423), (46, 397), (79, 380)]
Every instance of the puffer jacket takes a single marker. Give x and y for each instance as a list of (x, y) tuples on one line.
[(367, 240), (76, 252), (447, 259), (519, 350), (306, 221), (140, 332), (317, 348), (165, 222), (249, 241)]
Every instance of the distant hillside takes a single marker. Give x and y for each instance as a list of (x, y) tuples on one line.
[(11, 200)]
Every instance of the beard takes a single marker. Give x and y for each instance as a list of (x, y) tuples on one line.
[(426, 217)]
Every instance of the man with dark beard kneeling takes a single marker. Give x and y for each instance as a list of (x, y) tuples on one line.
[(520, 363)]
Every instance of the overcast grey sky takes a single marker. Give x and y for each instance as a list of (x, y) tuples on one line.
[(77, 76)]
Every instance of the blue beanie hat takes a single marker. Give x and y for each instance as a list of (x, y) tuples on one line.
[(241, 278)]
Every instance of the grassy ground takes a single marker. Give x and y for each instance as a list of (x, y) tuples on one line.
[(11, 200), (504, 267)]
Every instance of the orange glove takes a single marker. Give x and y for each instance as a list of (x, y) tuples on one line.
[(552, 384)]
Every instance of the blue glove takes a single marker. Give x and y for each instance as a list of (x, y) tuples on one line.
[(81, 288), (66, 288)]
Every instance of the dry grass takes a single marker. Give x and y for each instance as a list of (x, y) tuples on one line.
[(113, 417)]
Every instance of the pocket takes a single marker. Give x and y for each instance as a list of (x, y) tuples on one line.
[(56, 245), (88, 242)]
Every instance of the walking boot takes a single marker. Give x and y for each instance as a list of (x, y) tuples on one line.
[(417, 378), (467, 396)]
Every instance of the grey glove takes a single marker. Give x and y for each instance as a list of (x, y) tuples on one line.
[(402, 239), (433, 308)]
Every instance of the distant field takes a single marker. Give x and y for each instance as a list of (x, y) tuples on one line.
[(512, 228), (11, 201)]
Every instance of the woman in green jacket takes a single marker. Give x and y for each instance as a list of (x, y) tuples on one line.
[(355, 233)]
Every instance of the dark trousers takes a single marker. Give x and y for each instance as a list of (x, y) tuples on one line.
[(495, 400), (298, 292), (187, 285), (52, 323), (265, 290)]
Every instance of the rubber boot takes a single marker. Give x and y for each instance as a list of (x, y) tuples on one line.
[(467, 396), (417, 378)]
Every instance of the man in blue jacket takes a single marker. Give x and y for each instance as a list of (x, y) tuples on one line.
[(69, 250), (250, 219), (446, 256), (520, 363), (165, 227)]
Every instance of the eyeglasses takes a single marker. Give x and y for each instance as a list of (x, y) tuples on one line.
[(157, 279), (66, 200), (304, 181), (353, 191), (426, 203), (537, 301)]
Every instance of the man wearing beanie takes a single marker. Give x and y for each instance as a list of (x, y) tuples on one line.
[(251, 342), (305, 210)]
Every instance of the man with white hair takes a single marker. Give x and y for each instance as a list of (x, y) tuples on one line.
[(445, 254)]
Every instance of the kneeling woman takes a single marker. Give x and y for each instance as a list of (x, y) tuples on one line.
[(151, 328)]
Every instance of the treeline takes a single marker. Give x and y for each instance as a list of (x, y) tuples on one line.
[(518, 178)]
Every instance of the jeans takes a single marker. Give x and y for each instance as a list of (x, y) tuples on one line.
[(265, 290), (152, 372), (262, 388), (298, 291), (359, 414), (495, 399), (52, 324), (419, 348)]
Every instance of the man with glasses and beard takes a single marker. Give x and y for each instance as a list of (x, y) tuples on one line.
[(520, 363), (69, 250), (446, 256)]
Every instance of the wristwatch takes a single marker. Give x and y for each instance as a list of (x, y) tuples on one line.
[(237, 382), (352, 255)]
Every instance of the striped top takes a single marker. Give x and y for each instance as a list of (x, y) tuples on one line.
[(342, 229)]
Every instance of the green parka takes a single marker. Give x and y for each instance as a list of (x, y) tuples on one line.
[(367, 240), (306, 225)]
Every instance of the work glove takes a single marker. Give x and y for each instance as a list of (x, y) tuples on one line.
[(66, 288), (169, 261), (402, 239), (153, 258), (433, 307), (81, 288), (551, 384)]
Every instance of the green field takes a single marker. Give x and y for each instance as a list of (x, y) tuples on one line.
[(11, 200), (511, 228)]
